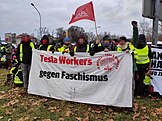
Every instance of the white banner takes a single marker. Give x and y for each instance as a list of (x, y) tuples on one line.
[(104, 79), (156, 69)]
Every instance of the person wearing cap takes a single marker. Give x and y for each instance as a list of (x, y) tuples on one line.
[(24, 57), (80, 46), (142, 55), (123, 45), (45, 44), (106, 45), (66, 46), (128, 47), (133, 45)]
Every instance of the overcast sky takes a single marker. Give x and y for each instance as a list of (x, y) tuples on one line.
[(112, 15)]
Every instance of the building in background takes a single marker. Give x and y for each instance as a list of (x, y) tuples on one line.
[(19, 38), (10, 38)]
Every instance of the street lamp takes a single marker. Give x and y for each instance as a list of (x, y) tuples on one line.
[(91, 30), (32, 4)]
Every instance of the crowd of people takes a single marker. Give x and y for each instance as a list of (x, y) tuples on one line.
[(141, 54)]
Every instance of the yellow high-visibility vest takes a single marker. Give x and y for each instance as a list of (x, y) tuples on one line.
[(15, 60), (39, 47), (63, 49), (21, 50), (119, 49), (3, 59), (2, 48), (99, 45), (48, 48), (16, 78), (147, 80), (13, 68), (141, 55), (87, 50), (130, 46)]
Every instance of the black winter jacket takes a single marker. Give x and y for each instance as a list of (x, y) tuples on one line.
[(101, 48), (27, 53)]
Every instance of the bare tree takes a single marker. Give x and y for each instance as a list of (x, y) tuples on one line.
[(53, 33), (160, 27), (92, 36), (60, 32), (45, 30), (160, 32), (144, 27), (75, 31)]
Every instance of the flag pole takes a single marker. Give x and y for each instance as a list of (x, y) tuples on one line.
[(95, 21), (96, 30), (67, 34)]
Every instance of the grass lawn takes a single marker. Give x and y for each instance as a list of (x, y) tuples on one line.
[(15, 105)]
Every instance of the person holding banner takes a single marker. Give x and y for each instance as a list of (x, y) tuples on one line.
[(24, 56), (128, 47), (45, 44), (66, 46), (123, 44), (142, 55), (106, 45), (80, 46)]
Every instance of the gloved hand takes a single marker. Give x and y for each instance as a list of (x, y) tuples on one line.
[(92, 53), (134, 23), (127, 51), (132, 54), (71, 53), (106, 50)]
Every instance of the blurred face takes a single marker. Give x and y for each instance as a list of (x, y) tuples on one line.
[(122, 42), (106, 42), (81, 41), (25, 38), (67, 43), (44, 41)]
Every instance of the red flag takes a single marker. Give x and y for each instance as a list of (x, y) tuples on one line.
[(84, 12)]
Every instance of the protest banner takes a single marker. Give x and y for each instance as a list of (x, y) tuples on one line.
[(156, 69), (102, 79)]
